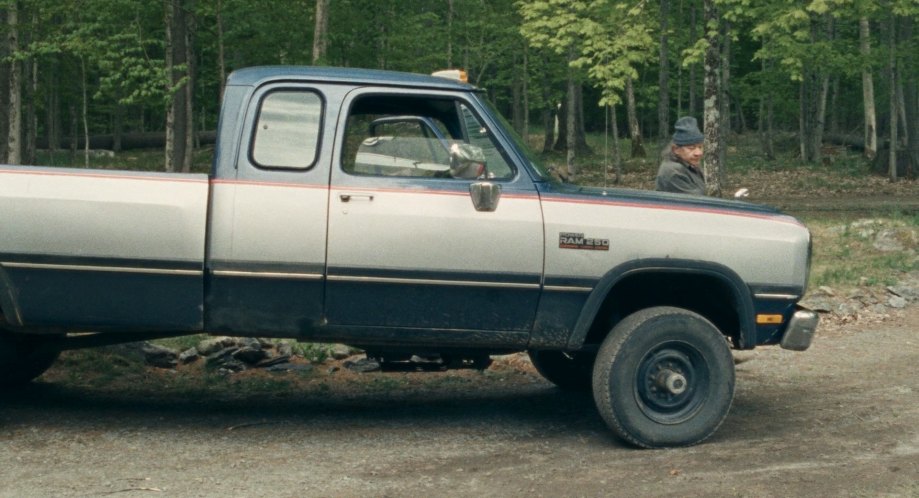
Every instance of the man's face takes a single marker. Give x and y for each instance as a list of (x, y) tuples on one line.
[(691, 154)]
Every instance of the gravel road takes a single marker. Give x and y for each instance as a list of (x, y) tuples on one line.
[(841, 419)]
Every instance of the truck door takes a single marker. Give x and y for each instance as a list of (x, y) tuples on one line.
[(269, 209), (407, 246)]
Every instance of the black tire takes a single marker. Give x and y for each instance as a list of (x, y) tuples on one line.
[(664, 377), (25, 357), (569, 371)]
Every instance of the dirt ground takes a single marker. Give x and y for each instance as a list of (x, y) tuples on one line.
[(841, 419)]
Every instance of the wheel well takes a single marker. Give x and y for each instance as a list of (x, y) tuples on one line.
[(704, 294)]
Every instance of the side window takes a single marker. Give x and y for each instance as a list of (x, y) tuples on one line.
[(407, 136), (287, 130)]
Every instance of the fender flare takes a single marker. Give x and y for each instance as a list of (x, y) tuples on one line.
[(742, 299)]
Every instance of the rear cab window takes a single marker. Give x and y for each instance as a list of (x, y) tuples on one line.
[(286, 134)]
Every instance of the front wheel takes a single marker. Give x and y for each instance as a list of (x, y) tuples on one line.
[(664, 377), (24, 357)]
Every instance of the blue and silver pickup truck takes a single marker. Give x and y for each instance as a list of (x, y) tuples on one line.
[(400, 214)]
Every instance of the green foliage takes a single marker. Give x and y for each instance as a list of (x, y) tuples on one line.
[(607, 39), (118, 48)]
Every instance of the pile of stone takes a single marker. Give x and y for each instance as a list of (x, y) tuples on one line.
[(236, 354), (864, 302)]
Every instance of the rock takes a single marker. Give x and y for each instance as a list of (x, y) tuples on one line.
[(130, 352), (190, 355), (896, 302), (218, 359), (285, 349), (271, 361), (250, 355), (340, 351), (880, 309), (888, 240), (905, 291), (826, 290), (290, 367), (363, 365), (160, 356), (818, 304), (211, 345), (231, 365), (847, 308)]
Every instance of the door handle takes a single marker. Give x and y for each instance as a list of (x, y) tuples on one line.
[(356, 197)]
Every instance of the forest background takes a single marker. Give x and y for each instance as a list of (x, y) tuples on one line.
[(114, 74)]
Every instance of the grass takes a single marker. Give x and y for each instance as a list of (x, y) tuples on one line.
[(845, 254)]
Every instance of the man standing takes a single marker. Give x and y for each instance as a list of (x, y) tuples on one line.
[(680, 171)]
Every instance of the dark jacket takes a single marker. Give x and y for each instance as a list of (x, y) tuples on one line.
[(676, 176)]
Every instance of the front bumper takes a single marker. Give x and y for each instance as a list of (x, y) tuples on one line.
[(800, 330)]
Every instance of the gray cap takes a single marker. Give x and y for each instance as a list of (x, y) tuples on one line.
[(687, 131)]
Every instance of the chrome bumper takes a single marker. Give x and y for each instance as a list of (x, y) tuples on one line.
[(800, 330)]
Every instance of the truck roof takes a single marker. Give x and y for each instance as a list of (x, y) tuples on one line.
[(254, 76)]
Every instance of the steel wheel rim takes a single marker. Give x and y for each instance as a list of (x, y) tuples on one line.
[(671, 382)]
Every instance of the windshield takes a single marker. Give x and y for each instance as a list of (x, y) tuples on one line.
[(530, 156)]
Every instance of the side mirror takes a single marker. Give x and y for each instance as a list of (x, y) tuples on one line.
[(485, 196), (466, 161)]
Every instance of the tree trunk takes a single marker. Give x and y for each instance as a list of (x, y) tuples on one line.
[(617, 155), (892, 80), (911, 101), (802, 126), (548, 123), (526, 92), (561, 135), (189, 90), (14, 133), (903, 134), (712, 111), (52, 107), (85, 112), (320, 35), (663, 77), (450, 38), (221, 50), (724, 102), (691, 103), (765, 116), (74, 130), (31, 122), (177, 113), (169, 148), (833, 110), (516, 104), (638, 149), (871, 134), (820, 119), (571, 128), (581, 135), (117, 127)]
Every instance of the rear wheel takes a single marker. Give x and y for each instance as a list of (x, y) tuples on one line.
[(25, 357), (571, 371), (664, 377)]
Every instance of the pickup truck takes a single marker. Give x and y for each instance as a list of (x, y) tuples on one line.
[(400, 214)]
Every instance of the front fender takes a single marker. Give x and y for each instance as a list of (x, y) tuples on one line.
[(742, 299)]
